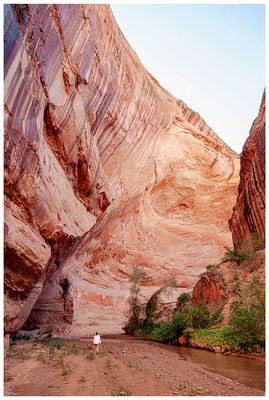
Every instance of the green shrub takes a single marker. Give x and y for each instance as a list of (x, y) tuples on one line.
[(212, 335), (200, 317), (165, 332), (216, 316), (247, 327), (232, 254), (180, 322), (146, 328)]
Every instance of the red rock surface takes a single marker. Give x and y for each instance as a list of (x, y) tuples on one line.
[(209, 290), (104, 170), (249, 212)]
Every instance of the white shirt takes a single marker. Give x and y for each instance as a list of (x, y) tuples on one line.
[(96, 339)]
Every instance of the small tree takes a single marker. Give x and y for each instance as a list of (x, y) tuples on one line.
[(152, 312), (183, 299), (134, 321)]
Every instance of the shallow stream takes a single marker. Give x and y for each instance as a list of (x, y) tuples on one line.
[(247, 370), (244, 369)]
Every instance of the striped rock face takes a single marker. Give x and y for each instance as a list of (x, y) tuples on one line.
[(249, 212), (104, 170)]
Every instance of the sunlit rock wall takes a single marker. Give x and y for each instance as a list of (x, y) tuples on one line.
[(104, 170)]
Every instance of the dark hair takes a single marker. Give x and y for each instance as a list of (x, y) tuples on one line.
[(96, 333)]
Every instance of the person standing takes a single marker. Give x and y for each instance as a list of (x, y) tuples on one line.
[(96, 342)]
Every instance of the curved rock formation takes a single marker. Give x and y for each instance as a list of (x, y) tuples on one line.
[(210, 290), (104, 170), (249, 212)]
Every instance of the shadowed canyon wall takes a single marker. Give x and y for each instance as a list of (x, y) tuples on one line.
[(104, 170), (249, 212)]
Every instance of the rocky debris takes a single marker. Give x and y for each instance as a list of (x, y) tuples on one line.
[(182, 340), (249, 211)]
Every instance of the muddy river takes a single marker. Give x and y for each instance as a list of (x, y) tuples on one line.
[(247, 370)]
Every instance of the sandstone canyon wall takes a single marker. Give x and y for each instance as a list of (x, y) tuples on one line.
[(104, 170), (248, 218), (249, 212)]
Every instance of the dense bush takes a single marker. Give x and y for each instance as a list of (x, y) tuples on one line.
[(189, 316), (246, 325), (212, 335), (232, 254), (180, 322), (165, 332), (200, 317), (246, 328)]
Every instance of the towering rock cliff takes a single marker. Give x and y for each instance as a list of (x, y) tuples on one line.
[(104, 170), (249, 212)]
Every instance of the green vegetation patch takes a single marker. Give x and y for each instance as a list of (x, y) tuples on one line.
[(214, 335)]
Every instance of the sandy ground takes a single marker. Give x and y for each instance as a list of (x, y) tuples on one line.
[(124, 367)]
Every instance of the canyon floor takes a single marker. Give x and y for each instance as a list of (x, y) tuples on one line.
[(123, 367)]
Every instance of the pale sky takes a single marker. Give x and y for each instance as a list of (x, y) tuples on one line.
[(210, 56)]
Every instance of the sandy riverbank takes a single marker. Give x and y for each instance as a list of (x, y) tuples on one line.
[(125, 366)]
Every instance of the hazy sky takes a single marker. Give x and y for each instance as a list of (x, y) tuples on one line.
[(210, 56)]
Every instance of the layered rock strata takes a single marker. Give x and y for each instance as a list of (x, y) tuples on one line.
[(249, 212), (104, 170)]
